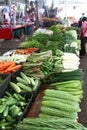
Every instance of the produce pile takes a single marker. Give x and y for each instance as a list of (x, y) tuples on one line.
[(56, 64), (15, 100), (50, 124), (65, 40), (8, 67), (11, 108)]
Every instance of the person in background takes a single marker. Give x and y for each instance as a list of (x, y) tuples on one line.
[(40, 16), (84, 37), (80, 20)]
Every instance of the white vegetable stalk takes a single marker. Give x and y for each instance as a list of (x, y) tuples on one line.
[(70, 61)]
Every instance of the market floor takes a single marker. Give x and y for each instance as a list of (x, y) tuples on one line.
[(6, 45), (83, 113)]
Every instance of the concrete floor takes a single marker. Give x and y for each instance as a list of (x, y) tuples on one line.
[(13, 44), (83, 114)]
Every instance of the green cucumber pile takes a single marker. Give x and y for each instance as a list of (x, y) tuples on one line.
[(49, 124), (55, 103), (25, 84), (11, 108)]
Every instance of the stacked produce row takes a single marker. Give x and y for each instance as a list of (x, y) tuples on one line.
[(56, 65)]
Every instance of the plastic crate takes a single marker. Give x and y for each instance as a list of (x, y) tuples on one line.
[(15, 74), (28, 106), (5, 83)]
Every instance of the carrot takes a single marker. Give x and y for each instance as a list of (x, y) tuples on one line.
[(4, 65), (12, 65), (13, 69)]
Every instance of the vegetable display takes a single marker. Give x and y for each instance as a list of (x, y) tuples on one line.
[(73, 87), (25, 84), (26, 51), (11, 108), (7, 67), (49, 124), (65, 76), (56, 64), (70, 61)]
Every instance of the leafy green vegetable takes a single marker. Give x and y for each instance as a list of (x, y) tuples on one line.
[(42, 38), (31, 43)]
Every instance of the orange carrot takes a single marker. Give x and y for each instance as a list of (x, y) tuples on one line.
[(4, 65), (13, 69)]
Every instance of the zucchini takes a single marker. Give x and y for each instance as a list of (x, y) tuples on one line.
[(15, 87), (24, 87)]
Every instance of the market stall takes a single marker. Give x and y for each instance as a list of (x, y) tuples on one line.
[(11, 31), (45, 82), (14, 22)]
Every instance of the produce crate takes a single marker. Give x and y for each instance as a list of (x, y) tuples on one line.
[(3, 86), (28, 106), (15, 74), (29, 99)]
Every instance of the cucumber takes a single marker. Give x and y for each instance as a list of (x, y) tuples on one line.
[(21, 80), (9, 118), (15, 87), (2, 108), (5, 113), (8, 94), (58, 113), (62, 106), (60, 94), (24, 87), (32, 81), (37, 83), (25, 77), (21, 97), (16, 96)]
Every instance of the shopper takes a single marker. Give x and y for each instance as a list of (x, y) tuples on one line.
[(80, 20), (84, 37)]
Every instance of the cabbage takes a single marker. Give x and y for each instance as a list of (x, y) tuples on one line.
[(73, 33)]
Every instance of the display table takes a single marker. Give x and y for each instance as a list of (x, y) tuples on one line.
[(5, 33), (9, 32)]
